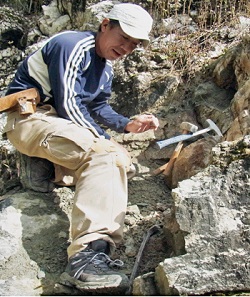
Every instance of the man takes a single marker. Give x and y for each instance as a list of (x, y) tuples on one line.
[(73, 74)]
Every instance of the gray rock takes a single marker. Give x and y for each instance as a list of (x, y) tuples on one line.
[(212, 215), (30, 245), (144, 285)]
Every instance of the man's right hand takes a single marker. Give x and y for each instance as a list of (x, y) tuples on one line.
[(142, 123)]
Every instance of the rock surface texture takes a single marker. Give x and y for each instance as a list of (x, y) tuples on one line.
[(202, 209), (212, 213)]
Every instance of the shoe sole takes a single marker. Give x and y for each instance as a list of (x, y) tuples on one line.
[(118, 285)]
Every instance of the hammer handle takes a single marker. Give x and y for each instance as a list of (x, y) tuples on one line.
[(160, 169), (163, 143), (171, 161), (151, 231), (174, 156), (167, 168)]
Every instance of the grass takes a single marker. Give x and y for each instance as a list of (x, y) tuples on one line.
[(188, 52), (209, 12)]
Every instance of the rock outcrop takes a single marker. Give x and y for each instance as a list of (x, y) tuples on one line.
[(212, 215), (203, 208)]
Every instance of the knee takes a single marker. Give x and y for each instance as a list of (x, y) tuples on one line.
[(105, 146), (122, 160)]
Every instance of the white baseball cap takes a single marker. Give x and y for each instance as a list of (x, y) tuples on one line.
[(134, 20)]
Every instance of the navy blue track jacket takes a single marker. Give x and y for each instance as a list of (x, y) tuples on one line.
[(71, 77)]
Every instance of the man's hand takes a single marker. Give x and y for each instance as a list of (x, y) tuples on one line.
[(142, 123)]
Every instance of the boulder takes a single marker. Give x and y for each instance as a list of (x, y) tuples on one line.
[(210, 228)]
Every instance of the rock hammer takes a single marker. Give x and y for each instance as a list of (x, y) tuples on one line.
[(212, 126), (186, 128), (151, 231)]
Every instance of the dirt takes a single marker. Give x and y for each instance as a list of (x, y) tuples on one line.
[(43, 255)]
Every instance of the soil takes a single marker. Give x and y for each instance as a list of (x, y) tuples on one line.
[(44, 254)]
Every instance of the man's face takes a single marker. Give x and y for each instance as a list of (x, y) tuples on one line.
[(112, 43)]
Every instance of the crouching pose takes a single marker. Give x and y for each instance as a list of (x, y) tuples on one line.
[(73, 74)]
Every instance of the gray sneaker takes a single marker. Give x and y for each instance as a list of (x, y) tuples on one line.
[(94, 271)]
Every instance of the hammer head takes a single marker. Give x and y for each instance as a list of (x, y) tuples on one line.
[(214, 127), (188, 127)]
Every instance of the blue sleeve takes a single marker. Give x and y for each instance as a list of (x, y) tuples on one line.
[(104, 113)]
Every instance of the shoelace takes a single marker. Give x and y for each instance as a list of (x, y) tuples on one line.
[(99, 259), (112, 263)]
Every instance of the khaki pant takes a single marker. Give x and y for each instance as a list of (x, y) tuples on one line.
[(96, 166)]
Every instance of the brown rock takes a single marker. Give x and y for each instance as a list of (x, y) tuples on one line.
[(192, 160)]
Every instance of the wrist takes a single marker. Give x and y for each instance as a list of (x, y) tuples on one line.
[(127, 127)]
